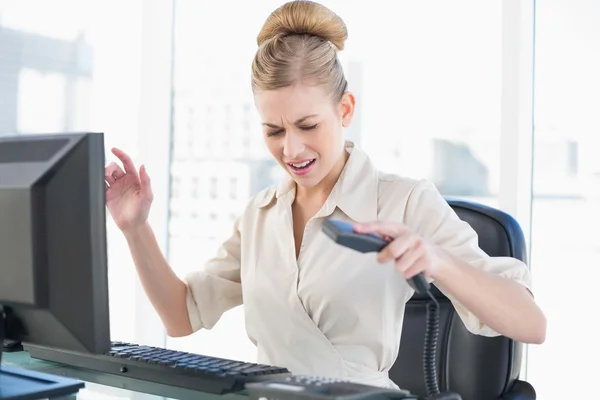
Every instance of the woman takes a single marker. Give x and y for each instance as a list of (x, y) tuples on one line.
[(312, 306)]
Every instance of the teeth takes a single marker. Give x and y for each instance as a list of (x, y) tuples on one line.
[(304, 164)]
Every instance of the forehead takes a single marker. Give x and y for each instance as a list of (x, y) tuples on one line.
[(292, 102)]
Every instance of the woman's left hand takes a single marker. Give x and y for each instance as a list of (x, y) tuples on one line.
[(410, 252)]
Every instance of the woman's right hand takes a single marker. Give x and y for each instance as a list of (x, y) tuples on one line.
[(128, 193)]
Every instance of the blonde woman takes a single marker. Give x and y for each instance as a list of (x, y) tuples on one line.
[(310, 305)]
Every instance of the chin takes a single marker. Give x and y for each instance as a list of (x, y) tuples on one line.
[(306, 183)]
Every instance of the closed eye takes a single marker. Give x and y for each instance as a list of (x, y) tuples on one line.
[(275, 133), (280, 131), (308, 128)]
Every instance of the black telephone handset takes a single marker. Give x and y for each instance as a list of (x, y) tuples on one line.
[(342, 232), (318, 388)]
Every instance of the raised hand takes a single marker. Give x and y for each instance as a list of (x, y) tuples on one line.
[(128, 193)]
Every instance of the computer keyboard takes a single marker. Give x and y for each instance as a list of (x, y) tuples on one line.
[(170, 367)]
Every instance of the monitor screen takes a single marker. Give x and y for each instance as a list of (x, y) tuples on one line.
[(53, 272)]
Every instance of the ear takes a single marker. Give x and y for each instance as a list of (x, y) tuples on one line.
[(347, 105)]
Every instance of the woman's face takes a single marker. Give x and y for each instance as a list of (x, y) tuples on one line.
[(303, 130)]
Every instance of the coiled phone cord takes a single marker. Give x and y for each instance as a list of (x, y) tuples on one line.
[(432, 331)]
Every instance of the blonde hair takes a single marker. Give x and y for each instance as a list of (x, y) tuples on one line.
[(299, 42)]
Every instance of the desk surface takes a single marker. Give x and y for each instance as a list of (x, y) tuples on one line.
[(103, 386)]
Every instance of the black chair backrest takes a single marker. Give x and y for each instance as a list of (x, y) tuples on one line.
[(476, 367)]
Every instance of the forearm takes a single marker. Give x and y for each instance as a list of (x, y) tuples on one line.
[(166, 291), (505, 306)]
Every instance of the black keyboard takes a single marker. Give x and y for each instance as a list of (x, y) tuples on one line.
[(169, 367)]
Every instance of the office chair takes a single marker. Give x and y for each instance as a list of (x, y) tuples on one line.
[(476, 367)]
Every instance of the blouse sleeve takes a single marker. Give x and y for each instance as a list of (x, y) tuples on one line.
[(216, 288), (429, 215)]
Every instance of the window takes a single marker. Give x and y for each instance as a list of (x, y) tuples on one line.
[(565, 252), (213, 187), (233, 188), (71, 71), (196, 188), (428, 107)]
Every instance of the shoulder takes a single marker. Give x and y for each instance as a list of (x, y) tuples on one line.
[(392, 187), (405, 196), (395, 184)]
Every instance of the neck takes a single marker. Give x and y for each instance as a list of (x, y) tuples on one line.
[(324, 188)]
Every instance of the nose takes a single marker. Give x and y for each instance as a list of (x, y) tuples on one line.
[(293, 145)]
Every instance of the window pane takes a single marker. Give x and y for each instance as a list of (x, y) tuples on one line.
[(71, 71), (566, 205), (427, 76)]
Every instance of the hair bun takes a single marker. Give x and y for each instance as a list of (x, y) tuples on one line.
[(304, 17)]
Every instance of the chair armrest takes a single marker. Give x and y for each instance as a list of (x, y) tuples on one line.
[(520, 390)]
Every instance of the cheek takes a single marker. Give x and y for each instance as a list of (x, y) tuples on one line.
[(328, 140), (274, 146)]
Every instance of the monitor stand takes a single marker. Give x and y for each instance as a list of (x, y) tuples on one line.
[(20, 384)]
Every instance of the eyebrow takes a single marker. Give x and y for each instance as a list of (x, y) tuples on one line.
[(298, 121)]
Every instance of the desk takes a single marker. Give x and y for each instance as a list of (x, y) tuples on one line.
[(102, 386)]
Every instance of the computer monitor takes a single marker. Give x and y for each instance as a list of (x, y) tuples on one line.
[(53, 267)]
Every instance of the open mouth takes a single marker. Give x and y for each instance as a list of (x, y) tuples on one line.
[(302, 166)]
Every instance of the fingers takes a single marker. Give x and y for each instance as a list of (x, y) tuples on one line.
[(420, 265), (408, 260), (126, 160), (409, 253), (145, 183), (400, 245), (408, 250), (384, 228), (112, 173), (114, 170)]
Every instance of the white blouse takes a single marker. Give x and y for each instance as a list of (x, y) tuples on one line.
[(333, 311)]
